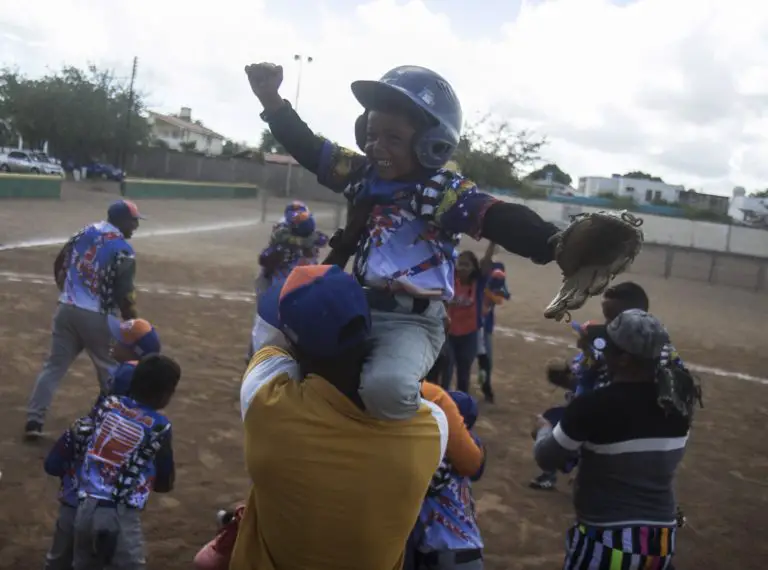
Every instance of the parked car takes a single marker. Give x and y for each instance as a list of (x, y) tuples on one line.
[(104, 171), (47, 164), (19, 161)]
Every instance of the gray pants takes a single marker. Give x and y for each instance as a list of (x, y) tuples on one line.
[(405, 347), (446, 560), (74, 330), (93, 522), (59, 557)]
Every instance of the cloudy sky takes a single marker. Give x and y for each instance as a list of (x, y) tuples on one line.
[(678, 88)]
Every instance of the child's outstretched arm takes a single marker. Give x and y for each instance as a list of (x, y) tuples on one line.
[(463, 209), (333, 165)]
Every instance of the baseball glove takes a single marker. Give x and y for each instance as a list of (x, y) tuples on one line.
[(591, 251)]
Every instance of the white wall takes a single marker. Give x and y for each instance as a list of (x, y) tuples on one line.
[(671, 231)]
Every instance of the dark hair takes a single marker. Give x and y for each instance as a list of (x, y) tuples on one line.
[(394, 105), (629, 294), (476, 272), (154, 380)]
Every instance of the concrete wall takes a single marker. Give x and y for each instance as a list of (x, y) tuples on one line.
[(29, 186), (170, 189), (677, 232)]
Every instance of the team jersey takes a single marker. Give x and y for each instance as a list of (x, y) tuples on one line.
[(97, 261), (129, 447)]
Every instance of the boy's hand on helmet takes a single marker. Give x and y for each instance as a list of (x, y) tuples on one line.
[(265, 79)]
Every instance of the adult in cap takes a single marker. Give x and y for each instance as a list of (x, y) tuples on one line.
[(94, 273)]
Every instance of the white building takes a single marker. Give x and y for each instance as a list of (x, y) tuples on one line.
[(640, 190), (748, 210), (174, 130)]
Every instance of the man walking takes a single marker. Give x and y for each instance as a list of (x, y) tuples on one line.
[(94, 272)]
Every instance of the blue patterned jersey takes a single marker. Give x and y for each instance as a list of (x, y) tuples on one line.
[(414, 227), (130, 446), (447, 517), (94, 257)]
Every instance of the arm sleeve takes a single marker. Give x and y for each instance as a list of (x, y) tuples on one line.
[(554, 447), (464, 453), (60, 456), (124, 277), (333, 165), (518, 229), (267, 363), (165, 467)]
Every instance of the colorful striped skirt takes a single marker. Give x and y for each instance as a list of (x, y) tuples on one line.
[(633, 548)]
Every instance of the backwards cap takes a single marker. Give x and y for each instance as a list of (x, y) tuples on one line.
[(137, 334), (313, 308), (634, 331)]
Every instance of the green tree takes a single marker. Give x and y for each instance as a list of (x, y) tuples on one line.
[(269, 144), (494, 154), (553, 170), (82, 114), (639, 175), (231, 148), (760, 194)]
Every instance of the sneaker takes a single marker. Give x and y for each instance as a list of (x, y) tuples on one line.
[(488, 393), (544, 482), (481, 378), (33, 430)]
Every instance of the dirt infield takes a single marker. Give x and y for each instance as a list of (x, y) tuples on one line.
[(722, 485)]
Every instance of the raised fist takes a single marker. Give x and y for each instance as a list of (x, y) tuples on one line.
[(265, 79)]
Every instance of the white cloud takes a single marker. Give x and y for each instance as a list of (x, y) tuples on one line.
[(674, 87)]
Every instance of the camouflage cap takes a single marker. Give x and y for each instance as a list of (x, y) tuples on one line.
[(634, 331), (638, 333)]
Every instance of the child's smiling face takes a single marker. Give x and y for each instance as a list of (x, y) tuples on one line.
[(389, 144)]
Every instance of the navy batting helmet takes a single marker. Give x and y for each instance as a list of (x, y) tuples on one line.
[(425, 90)]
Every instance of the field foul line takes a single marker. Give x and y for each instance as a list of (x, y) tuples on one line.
[(185, 230), (246, 297)]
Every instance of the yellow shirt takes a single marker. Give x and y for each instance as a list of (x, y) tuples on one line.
[(333, 488)]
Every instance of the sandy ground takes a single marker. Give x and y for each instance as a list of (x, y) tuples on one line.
[(722, 483)]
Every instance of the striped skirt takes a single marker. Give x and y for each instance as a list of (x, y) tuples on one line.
[(635, 548)]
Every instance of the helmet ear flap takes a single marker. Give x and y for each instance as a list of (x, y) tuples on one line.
[(361, 131)]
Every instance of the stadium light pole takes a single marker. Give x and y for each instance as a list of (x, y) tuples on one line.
[(301, 59)]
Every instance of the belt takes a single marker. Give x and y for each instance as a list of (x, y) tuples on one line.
[(386, 301), (459, 556)]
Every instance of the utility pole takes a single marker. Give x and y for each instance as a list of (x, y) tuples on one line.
[(129, 113), (301, 59)]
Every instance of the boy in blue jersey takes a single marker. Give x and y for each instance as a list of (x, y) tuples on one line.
[(125, 452), (405, 253), (133, 339), (295, 240), (446, 536)]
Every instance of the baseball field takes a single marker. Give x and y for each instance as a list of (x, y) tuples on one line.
[(196, 261)]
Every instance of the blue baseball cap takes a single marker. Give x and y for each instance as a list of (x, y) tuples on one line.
[(124, 210), (137, 334), (467, 407), (314, 306)]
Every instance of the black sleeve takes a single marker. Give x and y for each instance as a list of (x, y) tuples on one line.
[(520, 230), (581, 418), (124, 278), (334, 165), (295, 136), (165, 468)]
